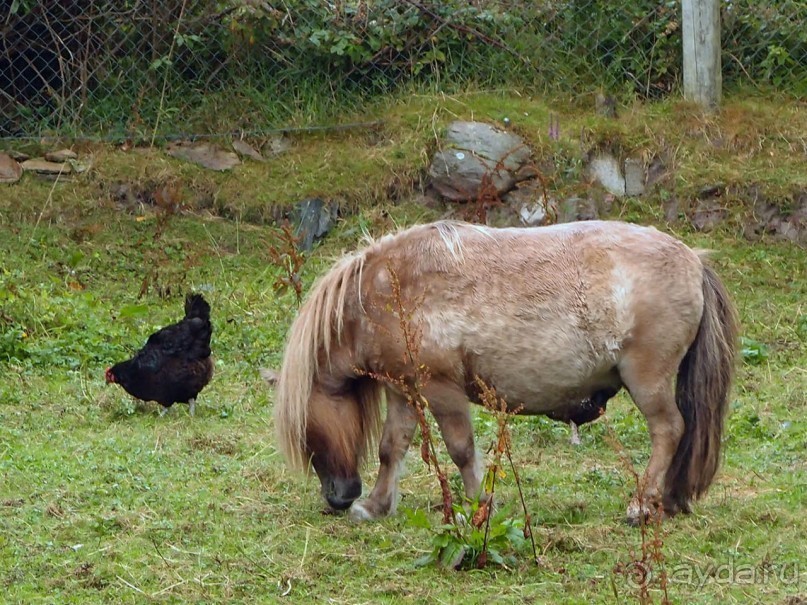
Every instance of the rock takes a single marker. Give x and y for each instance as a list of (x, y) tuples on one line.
[(125, 194), (709, 211), (62, 155), (498, 215), (605, 105), (577, 209), (313, 218), (475, 153), (20, 156), (79, 167), (604, 205), (526, 173), (534, 215), (788, 231), (670, 207), (527, 199), (277, 145), (244, 149), (767, 220), (634, 177), (205, 155), (44, 167), (656, 172), (605, 169), (790, 225), (715, 190), (707, 215), (624, 178), (526, 192), (428, 199), (10, 169)]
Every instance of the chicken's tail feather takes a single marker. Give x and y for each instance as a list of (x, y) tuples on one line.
[(196, 306)]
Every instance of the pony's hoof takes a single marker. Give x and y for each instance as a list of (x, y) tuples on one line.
[(361, 511), (635, 517), (643, 513), (673, 507)]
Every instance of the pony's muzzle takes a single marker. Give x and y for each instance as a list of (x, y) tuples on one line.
[(341, 492)]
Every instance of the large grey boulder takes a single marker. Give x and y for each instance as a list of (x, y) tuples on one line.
[(474, 153)]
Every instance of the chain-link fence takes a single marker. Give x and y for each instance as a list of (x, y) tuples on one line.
[(139, 68)]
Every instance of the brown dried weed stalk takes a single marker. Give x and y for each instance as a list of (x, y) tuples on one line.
[(455, 541), (645, 570), (165, 267), (487, 196), (286, 255), (411, 331), (502, 447)]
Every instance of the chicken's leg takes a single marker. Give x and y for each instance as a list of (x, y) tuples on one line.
[(192, 406), (575, 433)]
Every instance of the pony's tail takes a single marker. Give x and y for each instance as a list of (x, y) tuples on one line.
[(702, 395)]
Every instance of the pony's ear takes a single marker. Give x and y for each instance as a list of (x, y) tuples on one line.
[(269, 375)]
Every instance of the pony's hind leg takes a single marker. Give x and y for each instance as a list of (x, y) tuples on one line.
[(399, 427), (652, 391), (449, 405)]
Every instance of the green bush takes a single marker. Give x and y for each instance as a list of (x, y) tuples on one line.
[(766, 42)]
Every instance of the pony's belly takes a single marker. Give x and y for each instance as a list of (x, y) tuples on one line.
[(544, 386), (540, 361), (554, 399)]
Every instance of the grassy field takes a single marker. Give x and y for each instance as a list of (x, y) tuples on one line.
[(103, 501)]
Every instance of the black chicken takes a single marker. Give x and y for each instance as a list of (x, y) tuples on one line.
[(586, 411), (175, 363)]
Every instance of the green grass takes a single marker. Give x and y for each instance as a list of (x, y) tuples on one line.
[(103, 501)]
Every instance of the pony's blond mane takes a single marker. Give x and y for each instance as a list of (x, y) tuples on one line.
[(319, 318)]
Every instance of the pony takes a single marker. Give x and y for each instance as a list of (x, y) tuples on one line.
[(549, 316)]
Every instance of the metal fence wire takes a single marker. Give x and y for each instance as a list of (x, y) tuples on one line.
[(133, 68)]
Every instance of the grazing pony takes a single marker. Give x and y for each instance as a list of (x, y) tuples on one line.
[(550, 317)]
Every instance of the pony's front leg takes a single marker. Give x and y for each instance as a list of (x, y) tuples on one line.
[(399, 428), (449, 405)]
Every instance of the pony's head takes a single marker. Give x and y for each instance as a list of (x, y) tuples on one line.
[(332, 435), (334, 445), (326, 417)]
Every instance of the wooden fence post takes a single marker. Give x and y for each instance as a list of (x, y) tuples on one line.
[(700, 29)]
